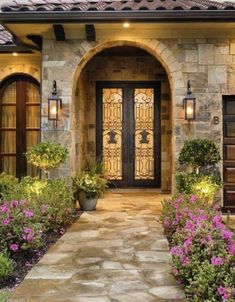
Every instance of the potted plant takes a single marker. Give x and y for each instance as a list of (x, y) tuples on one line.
[(87, 189)]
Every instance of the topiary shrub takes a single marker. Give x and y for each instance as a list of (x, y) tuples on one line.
[(47, 156), (199, 153)]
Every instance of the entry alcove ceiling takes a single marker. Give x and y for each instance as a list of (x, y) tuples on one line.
[(116, 30)]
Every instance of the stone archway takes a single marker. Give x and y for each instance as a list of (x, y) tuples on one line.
[(155, 48)]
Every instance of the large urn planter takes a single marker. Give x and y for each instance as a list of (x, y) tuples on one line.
[(87, 202)]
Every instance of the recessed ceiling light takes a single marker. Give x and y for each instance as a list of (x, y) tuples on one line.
[(15, 54), (126, 24)]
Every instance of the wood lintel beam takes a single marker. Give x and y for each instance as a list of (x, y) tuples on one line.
[(90, 32), (59, 32), (37, 39)]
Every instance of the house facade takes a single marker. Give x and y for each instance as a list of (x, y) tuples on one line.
[(122, 71)]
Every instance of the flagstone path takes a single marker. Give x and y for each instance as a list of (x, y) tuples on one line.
[(116, 254)]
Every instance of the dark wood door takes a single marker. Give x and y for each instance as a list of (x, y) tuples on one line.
[(229, 152), (19, 123), (128, 132)]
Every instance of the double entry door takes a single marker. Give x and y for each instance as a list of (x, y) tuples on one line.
[(128, 132)]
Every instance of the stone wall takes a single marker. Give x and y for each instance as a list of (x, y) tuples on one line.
[(208, 62), (121, 68)]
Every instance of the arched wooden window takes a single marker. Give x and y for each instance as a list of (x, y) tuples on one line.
[(19, 123)]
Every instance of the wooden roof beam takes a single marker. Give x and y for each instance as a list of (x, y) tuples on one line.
[(59, 32), (90, 32)]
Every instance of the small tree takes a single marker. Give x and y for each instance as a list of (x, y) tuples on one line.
[(47, 156), (199, 153)]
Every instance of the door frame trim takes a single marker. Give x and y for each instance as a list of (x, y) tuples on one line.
[(157, 126), (226, 141)]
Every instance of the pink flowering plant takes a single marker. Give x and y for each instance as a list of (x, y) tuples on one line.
[(21, 227), (202, 248)]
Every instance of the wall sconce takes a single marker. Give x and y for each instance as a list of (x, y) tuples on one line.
[(54, 105), (189, 104)]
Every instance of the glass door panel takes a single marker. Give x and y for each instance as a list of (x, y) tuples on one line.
[(32, 139), (33, 117), (20, 113), (9, 95), (144, 133), (8, 116), (112, 132), (9, 164)]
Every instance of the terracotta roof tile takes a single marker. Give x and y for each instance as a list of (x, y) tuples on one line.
[(117, 5), (5, 37)]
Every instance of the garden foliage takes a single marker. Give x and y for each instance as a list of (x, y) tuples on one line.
[(204, 180), (205, 186), (35, 208), (199, 153), (92, 184), (47, 156), (5, 266), (202, 248), (7, 184)]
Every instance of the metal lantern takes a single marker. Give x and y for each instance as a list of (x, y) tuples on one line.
[(54, 104), (189, 104)]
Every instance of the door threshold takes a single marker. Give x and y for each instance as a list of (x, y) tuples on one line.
[(140, 190)]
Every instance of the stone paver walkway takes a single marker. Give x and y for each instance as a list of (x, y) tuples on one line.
[(116, 254)]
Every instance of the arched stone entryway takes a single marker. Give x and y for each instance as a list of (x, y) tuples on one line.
[(161, 54)]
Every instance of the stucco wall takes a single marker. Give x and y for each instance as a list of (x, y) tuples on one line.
[(208, 62), (28, 64)]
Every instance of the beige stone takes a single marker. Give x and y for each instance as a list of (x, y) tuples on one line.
[(206, 54), (232, 48), (191, 56), (217, 74)]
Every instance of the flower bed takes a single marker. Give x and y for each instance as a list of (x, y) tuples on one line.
[(202, 248), (33, 215)]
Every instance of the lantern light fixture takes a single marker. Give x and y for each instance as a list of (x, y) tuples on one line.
[(54, 105), (126, 24), (189, 104)]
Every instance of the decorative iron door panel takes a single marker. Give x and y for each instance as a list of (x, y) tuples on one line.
[(128, 132), (229, 152)]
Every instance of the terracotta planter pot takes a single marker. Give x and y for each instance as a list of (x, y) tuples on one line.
[(87, 203)]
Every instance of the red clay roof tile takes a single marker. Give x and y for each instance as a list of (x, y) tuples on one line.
[(5, 37), (117, 5)]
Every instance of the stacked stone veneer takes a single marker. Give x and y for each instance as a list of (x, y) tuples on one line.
[(208, 63)]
